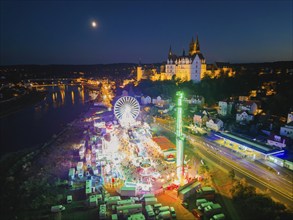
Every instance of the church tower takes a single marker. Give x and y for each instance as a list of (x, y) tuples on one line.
[(170, 53), (194, 47), (139, 71), (197, 49)]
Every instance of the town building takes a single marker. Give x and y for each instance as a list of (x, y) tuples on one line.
[(276, 140), (215, 124), (158, 101), (200, 118), (243, 98), (287, 130), (219, 69), (145, 73), (244, 117), (290, 117), (249, 106), (194, 100), (225, 108), (146, 100)]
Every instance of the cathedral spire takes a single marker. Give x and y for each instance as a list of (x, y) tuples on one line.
[(197, 48), (183, 53), (170, 52), (139, 62), (192, 47)]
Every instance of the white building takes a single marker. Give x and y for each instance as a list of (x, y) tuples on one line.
[(146, 100), (195, 100), (224, 108), (249, 106), (276, 140), (244, 117), (186, 67), (290, 117), (214, 124), (156, 101), (287, 130), (200, 119)]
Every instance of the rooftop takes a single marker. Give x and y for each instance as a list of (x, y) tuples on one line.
[(164, 143), (261, 148)]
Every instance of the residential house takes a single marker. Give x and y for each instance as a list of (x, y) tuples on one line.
[(225, 108), (290, 117), (249, 106), (145, 100), (243, 98), (195, 100), (287, 130), (215, 124), (200, 118), (160, 101), (276, 140), (244, 117)]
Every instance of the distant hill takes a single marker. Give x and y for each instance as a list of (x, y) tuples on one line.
[(119, 70), (115, 70), (270, 65)]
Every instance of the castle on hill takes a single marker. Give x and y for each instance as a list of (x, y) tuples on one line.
[(191, 66)]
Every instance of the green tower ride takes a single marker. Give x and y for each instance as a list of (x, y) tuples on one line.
[(179, 139)]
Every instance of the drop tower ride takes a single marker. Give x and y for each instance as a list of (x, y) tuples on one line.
[(179, 139)]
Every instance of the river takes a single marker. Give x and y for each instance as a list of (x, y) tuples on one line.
[(36, 124)]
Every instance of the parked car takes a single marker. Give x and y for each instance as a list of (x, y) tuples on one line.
[(57, 208)]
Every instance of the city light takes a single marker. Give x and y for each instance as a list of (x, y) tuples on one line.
[(99, 120)]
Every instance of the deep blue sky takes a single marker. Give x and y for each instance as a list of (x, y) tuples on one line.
[(60, 32)]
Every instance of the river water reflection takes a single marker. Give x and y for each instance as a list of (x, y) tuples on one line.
[(36, 124)]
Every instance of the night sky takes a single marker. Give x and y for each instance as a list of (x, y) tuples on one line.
[(60, 32)]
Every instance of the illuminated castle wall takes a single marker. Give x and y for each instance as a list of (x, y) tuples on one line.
[(186, 67)]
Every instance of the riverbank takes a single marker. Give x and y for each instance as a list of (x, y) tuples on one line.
[(33, 176), (12, 106)]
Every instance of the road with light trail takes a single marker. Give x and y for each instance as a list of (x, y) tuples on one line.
[(279, 187)]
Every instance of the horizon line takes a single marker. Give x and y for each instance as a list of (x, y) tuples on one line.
[(64, 64)]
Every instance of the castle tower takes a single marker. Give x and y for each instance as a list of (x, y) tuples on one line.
[(139, 72), (170, 53), (197, 48), (192, 47)]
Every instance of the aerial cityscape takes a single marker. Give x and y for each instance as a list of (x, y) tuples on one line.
[(146, 110)]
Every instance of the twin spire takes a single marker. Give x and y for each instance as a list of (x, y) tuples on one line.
[(194, 48)]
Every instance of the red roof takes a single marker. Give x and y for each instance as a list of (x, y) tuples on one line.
[(164, 143)]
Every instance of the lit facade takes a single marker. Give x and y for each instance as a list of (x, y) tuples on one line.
[(186, 67), (191, 66)]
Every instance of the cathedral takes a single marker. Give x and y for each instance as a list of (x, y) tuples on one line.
[(186, 67)]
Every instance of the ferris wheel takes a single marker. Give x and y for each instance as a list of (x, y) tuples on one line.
[(126, 108)]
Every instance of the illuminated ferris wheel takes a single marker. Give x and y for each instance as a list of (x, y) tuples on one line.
[(126, 109)]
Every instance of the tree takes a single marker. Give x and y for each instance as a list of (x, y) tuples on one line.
[(232, 174), (241, 190)]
